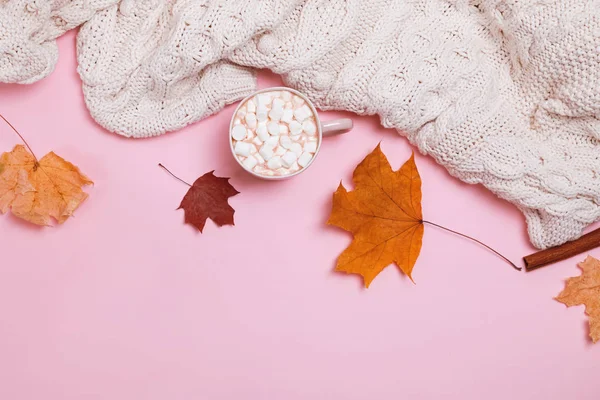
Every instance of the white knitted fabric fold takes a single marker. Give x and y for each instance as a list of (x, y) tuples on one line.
[(505, 93), (28, 29), (143, 75)]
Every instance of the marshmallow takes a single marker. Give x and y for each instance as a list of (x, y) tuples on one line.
[(262, 113), (272, 141), (242, 149), (250, 162), (266, 152), (285, 142), (311, 147), (289, 105), (296, 138), (286, 95), (298, 101), (259, 158), (288, 159), (287, 116), (280, 151), (251, 106), (275, 114), (237, 121), (262, 132), (239, 132), (273, 128), (295, 128), (278, 104), (263, 99), (251, 120), (309, 127), (302, 113), (274, 163), (296, 148), (241, 113), (304, 159), (260, 170), (259, 142)]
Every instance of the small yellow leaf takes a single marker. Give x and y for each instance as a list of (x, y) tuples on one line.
[(384, 215), (38, 192)]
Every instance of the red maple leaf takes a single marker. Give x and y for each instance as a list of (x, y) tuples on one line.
[(207, 198)]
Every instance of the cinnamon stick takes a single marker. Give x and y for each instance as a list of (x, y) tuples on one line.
[(555, 254)]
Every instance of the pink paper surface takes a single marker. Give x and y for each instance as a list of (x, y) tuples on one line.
[(124, 301)]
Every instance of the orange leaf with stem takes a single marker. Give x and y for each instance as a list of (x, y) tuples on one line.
[(39, 191), (384, 215)]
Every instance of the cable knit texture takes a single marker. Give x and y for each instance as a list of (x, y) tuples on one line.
[(144, 74), (505, 93), (28, 29)]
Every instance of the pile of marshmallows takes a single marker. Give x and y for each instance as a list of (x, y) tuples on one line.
[(275, 134)]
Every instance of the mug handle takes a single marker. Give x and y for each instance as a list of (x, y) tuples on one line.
[(336, 126)]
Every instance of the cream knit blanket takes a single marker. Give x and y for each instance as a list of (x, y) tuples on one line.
[(505, 93)]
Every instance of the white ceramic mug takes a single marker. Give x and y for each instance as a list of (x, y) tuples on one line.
[(324, 129)]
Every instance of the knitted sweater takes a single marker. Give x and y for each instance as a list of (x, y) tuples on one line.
[(501, 92)]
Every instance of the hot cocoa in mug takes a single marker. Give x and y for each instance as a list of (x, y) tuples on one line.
[(276, 133)]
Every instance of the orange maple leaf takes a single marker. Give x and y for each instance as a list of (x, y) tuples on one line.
[(585, 290), (384, 215), (38, 191)]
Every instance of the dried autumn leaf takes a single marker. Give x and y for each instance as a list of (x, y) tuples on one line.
[(585, 290), (207, 198), (40, 191), (384, 215)]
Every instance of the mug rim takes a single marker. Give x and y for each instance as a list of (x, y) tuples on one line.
[(317, 121)]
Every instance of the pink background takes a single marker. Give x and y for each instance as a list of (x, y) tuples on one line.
[(127, 302)]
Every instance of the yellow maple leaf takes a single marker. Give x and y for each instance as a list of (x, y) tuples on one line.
[(585, 290), (384, 215), (38, 191)]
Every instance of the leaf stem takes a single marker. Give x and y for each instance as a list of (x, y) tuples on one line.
[(22, 138), (475, 240), (173, 175)]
